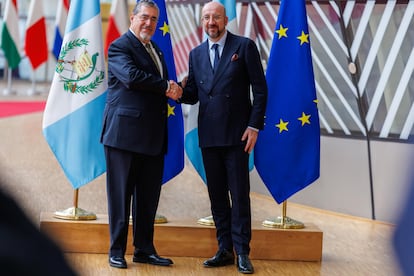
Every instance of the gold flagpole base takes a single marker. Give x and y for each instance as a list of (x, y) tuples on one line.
[(206, 221), (160, 219), (286, 223), (74, 213)]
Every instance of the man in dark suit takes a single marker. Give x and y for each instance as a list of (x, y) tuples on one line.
[(135, 135), (228, 124)]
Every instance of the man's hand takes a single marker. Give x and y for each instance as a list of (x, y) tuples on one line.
[(184, 81), (251, 136), (175, 92)]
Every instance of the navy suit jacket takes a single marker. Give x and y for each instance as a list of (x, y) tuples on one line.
[(135, 115), (226, 107)]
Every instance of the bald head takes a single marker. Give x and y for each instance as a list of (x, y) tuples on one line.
[(214, 20), (214, 5)]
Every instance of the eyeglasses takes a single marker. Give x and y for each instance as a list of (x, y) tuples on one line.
[(145, 17), (214, 17)]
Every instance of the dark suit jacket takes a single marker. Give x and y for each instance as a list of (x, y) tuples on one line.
[(135, 116), (24, 250), (226, 108)]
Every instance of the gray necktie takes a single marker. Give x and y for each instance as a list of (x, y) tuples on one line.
[(216, 57), (148, 46)]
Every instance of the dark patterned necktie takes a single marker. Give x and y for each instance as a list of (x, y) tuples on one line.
[(148, 46), (216, 57)]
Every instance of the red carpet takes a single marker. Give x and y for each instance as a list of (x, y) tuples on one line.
[(14, 108)]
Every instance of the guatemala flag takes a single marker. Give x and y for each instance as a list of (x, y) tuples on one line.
[(174, 160), (74, 109), (61, 17), (287, 151)]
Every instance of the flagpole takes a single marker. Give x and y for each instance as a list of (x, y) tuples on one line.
[(75, 213), (160, 219), (8, 90), (284, 221), (206, 221), (32, 90)]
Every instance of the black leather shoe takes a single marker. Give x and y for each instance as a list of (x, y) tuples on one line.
[(118, 262), (244, 265), (153, 259), (222, 258)]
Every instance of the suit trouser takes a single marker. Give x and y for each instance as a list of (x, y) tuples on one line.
[(227, 170), (138, 176)]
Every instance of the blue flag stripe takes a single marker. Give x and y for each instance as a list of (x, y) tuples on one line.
[(80, 12), (57, 44), (81, 157)]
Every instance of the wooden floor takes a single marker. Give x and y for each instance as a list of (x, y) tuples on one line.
[(351, 246)]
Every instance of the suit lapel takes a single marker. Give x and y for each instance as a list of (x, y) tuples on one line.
[(161, 57), (230, 48), (203, 57), (140, 47)]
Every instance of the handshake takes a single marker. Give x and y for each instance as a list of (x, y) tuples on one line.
[(175, 92)]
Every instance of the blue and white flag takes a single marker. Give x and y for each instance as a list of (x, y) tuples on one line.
[(73, 115), (230, 6), (174, 160), (287, 151), (60, 24), (191, 136)]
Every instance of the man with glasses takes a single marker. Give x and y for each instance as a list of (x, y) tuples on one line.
[(134, 135), (228, 124)]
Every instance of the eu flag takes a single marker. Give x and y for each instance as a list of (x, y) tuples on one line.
[(174, 160), (287, 152)]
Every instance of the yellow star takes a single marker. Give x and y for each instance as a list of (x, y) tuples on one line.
[(165, 29), (282, 126), (282, 31), (170, 110), (316, 101), (304, 119), (303, 38)]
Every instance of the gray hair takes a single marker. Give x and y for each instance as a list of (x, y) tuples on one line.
[(144, 3)]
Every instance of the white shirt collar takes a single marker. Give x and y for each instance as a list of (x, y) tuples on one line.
[(221, 42)]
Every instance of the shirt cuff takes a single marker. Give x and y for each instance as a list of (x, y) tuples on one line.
[(168, 87), (253, 128)]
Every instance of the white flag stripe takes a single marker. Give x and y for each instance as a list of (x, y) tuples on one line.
[(35, 12), (59, 101), (119, 11), (61, 17)]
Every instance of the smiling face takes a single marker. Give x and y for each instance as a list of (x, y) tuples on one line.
[(144, 22), (214, 20)]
